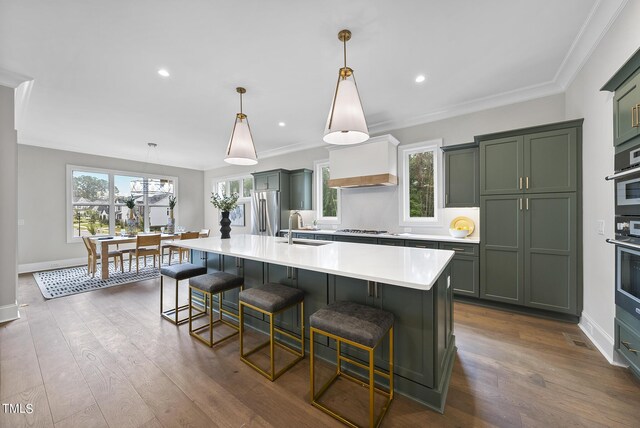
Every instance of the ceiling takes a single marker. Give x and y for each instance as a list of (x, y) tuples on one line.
[(96, 88)]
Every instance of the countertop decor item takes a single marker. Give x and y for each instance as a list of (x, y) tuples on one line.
[(225, 204), (241, 150), (130, 202), (462, 223), (346, 123), (459, 233)]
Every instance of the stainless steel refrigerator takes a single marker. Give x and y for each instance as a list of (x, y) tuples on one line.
[(265, 212)]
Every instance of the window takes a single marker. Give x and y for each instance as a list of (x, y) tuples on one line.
[(240, 185), (327, 198), (419, 188), (97, 201)]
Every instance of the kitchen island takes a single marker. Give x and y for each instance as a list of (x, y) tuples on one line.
[(412, 283)]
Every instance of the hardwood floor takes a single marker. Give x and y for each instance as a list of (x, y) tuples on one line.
[(106, 359)]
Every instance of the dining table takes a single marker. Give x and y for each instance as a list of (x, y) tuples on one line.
[(106, 241)]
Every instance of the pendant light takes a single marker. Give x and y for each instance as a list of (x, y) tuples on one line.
[(346, 123), (241, 150)]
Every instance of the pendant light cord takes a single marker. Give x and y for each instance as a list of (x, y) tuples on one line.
[(344, 42), (240, 102)]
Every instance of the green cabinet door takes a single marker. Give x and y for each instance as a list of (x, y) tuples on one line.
[(300, 186), (461, 178), (501, 248), (551, 161), (421, 244), (269, 180), (501, 166), (550, 253), (465, 275), (625, 102)]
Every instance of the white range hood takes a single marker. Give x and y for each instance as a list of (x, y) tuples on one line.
[(372, 163)]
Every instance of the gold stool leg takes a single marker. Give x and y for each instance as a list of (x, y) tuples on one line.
[(191, 310), (372, 384), (271, 348), (176, 314), (161, 289), (241, 325), (391, 363), (311, 364)]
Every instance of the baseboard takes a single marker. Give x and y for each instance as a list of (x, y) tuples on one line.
[(54, 264), (600, 338), (9, 312)]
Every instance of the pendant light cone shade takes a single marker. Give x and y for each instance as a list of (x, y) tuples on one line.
[(346, 123), (241, 150)]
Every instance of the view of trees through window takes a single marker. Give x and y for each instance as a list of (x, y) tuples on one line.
[(421, 184), (242, 186), (96, 212), (329, 195)]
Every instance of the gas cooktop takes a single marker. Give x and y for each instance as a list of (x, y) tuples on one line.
[(362, 231)]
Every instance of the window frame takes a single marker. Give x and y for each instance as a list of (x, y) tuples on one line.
[(71, 238), (317, 167), (227, 180), (403, 195)]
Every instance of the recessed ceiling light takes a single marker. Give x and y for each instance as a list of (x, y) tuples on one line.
[(420, 78), (163, 72), (282, 124)]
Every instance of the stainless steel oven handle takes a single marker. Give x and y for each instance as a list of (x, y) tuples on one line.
[(623, 244), (622, 173)]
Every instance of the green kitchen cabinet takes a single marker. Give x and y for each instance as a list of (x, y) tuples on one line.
[(391, 242), (625, 84), (501, 248), (627, 339), (501, 165), (550, 252), (356, 239), (465, 275), (461, 175), (551, 161), (275, 179), (421, 244), (300, 195)]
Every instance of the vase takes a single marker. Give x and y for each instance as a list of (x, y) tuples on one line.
[(171, 223), (225, 223), (132, 226)]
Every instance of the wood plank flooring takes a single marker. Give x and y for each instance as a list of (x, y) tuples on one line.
[(106, 359)]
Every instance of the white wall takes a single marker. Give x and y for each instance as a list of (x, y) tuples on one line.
[(42, 240), (8, 175), (584, 99), (377, 207)]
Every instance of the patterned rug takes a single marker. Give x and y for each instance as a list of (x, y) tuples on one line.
[(74, 280)]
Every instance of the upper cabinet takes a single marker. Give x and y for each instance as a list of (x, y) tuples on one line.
[(626, 100), (461, 176), (301, 187), (267, 180), (542, 159)]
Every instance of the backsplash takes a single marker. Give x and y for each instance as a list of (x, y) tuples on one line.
[(378, 208)]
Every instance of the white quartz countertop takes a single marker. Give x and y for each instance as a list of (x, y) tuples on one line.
[(409, 236), (416, 268)]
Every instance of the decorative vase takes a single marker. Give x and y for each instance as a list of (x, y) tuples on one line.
[(132, 225), (225, 223), (171, 223)]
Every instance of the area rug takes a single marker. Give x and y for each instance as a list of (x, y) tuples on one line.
[(74, 280)]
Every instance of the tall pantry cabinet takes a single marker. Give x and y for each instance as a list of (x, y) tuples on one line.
[(530, 217)]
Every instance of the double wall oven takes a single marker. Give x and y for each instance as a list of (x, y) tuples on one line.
[(627, 229)]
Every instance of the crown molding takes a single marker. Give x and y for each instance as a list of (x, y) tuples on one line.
[(600, 19), (12, 79)]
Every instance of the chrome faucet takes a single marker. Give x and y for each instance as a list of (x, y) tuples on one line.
[(293, 213)]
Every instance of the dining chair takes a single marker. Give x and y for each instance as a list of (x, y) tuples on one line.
[(146, 245), (180, 250), (93, 256), (204, 233)]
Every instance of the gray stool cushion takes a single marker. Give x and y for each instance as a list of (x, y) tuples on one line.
[(271, 297), (216, 282), (359, 323), (183, 271)]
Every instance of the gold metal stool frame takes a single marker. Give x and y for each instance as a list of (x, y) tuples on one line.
[(371, 383), (208, 304), (172, 314), (272, 375)]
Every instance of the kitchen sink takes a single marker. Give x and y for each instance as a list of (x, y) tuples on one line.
[(309, 243)]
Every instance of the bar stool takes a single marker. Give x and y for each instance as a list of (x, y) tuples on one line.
[(362, 327), (272, 299), (208, 285), (179, 272)]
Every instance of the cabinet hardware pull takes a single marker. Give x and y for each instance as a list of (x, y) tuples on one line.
[(527, 204), (626, 345), (637, 115), (634, 111), (458, 249), (375, 290), (527, 183), (421, 246), (520, 204), (520, 183), (369, 288), (446, 198)]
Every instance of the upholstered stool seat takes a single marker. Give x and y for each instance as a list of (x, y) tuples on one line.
[(179, 273), (362, 327), (272, 299), (211, 284)]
